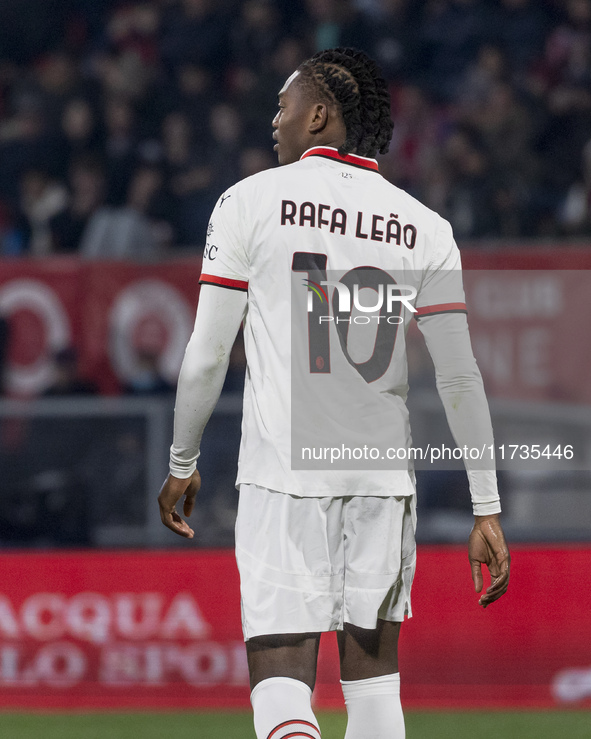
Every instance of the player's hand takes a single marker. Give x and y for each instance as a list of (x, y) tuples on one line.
[(171, 492), (487, 546)]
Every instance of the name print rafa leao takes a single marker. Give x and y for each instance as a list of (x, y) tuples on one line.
[(387, 229)]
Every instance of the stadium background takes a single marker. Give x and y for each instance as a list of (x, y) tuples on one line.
[(120, 125)]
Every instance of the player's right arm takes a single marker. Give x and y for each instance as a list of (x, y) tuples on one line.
[(219, 314), (221, 308)]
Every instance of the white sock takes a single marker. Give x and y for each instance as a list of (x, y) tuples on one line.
[(282, 709), (373, 708)]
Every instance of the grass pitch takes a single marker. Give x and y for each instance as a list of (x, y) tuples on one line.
[(419, 725)]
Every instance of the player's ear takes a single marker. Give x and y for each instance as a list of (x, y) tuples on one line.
[(319, 118)]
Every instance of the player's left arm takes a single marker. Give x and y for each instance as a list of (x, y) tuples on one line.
[(219, 314), (461, 390)]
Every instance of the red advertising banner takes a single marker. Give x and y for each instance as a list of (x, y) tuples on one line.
[(162, 630), (525, 326), (114, 630), (525, 309), (111, 313)]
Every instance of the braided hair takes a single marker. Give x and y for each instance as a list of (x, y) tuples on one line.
[(353, 81)]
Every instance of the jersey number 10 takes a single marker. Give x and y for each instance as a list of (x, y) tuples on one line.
[(319, 318)]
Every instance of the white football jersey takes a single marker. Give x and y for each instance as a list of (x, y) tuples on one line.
[(330, 254)]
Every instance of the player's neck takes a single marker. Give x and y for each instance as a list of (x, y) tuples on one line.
[(334, 142)]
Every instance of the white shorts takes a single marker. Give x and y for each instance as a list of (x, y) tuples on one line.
[(313, 564)]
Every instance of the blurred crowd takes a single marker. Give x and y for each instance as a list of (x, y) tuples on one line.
[(121, 122)]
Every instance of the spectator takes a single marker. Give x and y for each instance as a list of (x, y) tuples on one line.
[(124, 74), (78, 133), (565, 79), (112, 78), (58, 80), (452, 33), (121, 147), (188, 180), (196, 31), (23, 144), (125, 232), (470, 191), (12, 239), (67, 379), (87, 190), (147, 379), (507, 133), (290, 51), (4, 335), (523, 28), (255, 93), (575, 211), (480, 78), (147, 196), (225, 131), (338, 23), (134, 28), (31, 28), (416, 138), (255, 159), (41, 200), (395, 25), (506, 129), (194, 94), (256, 34)]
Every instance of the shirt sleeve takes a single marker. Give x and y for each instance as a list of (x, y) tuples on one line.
[(441, 289), (225, 257), (204, 368), (460, 387)]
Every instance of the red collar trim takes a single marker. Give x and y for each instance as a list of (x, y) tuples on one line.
[(330, 153)]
